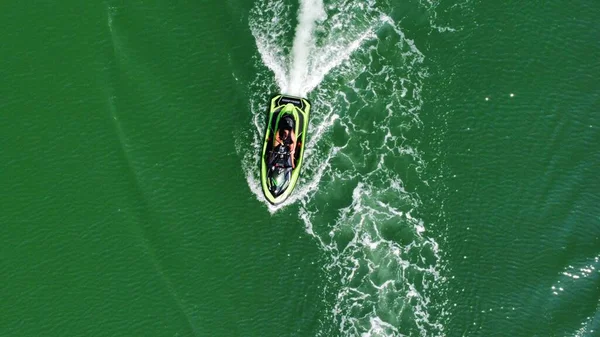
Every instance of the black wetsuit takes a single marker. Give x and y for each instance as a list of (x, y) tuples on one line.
[(283, 157)]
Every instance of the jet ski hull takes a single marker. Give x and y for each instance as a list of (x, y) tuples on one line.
[(277, 178)]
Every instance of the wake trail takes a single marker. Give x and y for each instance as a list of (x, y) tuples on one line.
[(365, 78), (144, 216), (311, 11)]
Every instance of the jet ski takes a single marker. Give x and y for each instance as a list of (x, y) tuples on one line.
[(286, 130)]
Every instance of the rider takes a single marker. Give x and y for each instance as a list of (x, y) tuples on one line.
[(286, 136)]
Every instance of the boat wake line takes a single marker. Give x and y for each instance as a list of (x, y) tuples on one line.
[(365, 78)]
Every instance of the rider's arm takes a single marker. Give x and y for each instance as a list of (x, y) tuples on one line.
[(293, 145)]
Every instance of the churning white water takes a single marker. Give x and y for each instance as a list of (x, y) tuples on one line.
[(364, 78), (311, 11)]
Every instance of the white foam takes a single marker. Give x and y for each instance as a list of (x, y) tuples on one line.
[(381, 284), (311, 11), (380, 328), (269, 33)]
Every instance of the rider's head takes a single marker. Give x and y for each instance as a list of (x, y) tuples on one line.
[(287, 122), (284, 133)]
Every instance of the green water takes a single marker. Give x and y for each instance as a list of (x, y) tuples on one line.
[(450, 185)]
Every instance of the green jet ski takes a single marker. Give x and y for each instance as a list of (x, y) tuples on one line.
[(286, 130)]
